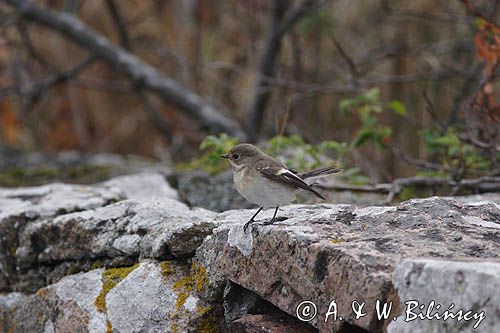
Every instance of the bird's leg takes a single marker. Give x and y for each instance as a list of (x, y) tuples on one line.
[(271, 221), (274, 216), (251, 220)]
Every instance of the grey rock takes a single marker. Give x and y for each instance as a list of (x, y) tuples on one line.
[(67, 306), (269, 324), (41, 240), (83, 290), (117, 234), (148, 299), (326, 252), (206, 256), (142, 186), (22, 206), (214, 192), (471, 286), (53, 199), (239, 302), (128, 244), (479, 198)]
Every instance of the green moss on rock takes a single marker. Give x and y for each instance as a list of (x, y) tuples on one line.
[(83, 173), (15, 177)]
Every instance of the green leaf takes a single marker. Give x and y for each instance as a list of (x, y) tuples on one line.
[(345, 106), (209, 141), (398, 107), (363, 135), (450, 139), (372, 95)]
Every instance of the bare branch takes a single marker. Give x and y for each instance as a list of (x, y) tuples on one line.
[(281, 21), (413, 161), (429, 107), (345, 56), (37, 90), (119, 24), (482, 184), (157, 118), (472, 10), (128, 64)]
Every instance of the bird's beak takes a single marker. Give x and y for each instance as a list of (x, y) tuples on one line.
[(224, 156)]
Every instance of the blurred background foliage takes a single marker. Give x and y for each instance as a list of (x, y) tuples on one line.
[(386, 89)]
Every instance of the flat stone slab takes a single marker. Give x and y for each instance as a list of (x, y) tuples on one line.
[(117, 234), (142, 186), (53, 230), (52, 199), (339, 252), (22, 206), (445, 296)]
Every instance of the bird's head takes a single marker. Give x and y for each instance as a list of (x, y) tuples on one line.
[(242, 154)]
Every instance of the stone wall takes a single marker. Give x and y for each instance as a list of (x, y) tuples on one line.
[(129, 255)]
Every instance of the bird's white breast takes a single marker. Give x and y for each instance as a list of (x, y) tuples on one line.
[(256, 188)]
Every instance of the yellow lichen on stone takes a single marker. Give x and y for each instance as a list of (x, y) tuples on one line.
[(337, 241), (181, 299), (185, 283), (208, 325), (96, 264), (166, 270), (199, 274), (174, 328), (112, 277), (109, 328), (195, 281), (203, 310)]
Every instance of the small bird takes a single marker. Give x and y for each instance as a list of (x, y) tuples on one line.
[(265, 181)]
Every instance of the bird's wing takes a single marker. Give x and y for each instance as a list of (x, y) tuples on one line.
[(274, 170)]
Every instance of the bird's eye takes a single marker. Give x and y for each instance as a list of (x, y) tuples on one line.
[(236, 156)]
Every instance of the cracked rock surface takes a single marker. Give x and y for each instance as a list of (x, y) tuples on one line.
[(127, 255), (342, 253), (466, 285)]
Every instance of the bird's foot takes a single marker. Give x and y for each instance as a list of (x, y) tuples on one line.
[(245, 227), (275, 219)]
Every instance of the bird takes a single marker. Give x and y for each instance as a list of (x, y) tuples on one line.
[(266, 182)]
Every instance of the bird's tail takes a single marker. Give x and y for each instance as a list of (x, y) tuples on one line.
[(319, 173)]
